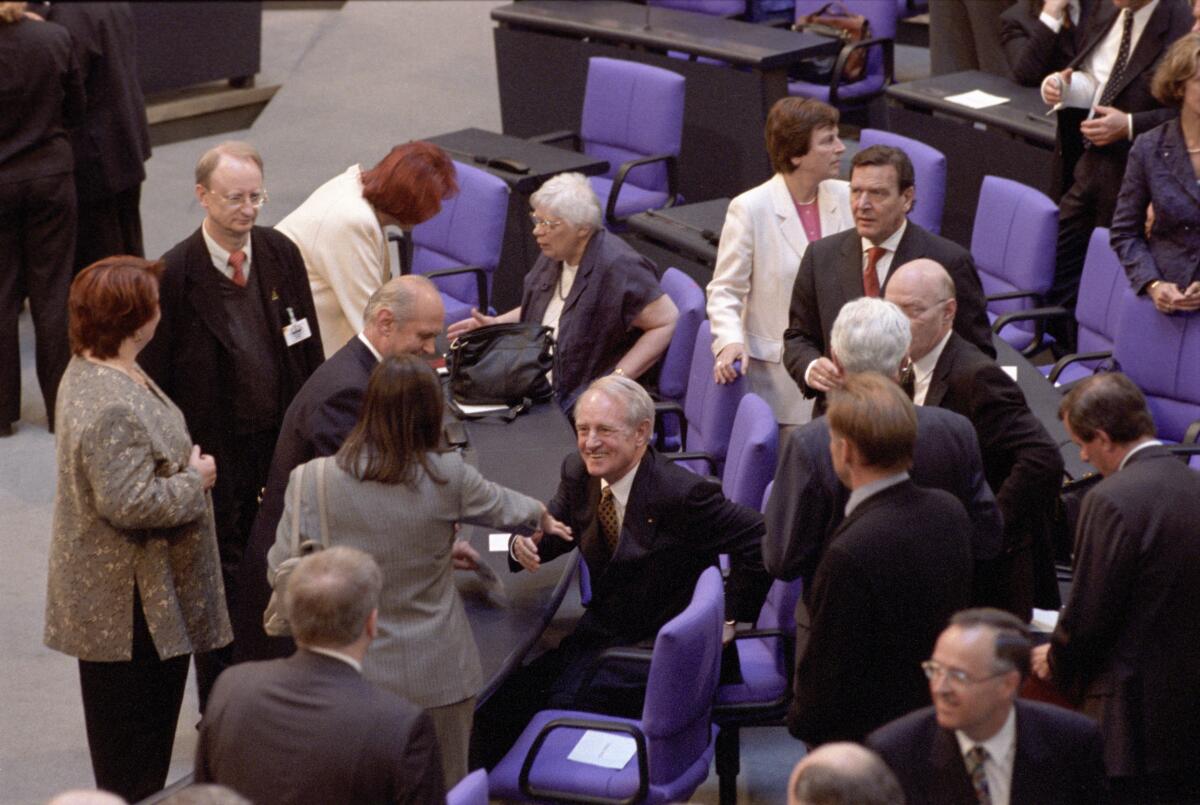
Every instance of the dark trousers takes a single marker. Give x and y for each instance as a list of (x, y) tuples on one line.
[(131, 709), (37, 242), (108, 226), (965, 35)]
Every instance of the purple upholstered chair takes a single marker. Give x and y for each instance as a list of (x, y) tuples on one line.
[(471, 790), (716, 8), (929, 167), (677, 362), (674, 736), (1013, 243), (460, 246), (753, 446), (881, 16)]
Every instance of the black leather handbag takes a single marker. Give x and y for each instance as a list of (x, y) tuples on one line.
[(501, 364)]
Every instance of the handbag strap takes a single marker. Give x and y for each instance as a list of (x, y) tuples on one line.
[(321, 507), (296, 498)]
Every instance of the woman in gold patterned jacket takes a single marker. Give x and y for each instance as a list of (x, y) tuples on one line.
[(135, 582)]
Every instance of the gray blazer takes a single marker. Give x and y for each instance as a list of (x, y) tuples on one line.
[(424, 651), (128, 510)]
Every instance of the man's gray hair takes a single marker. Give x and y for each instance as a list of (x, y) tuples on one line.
[(330, 594), (398, 295), (845, 774), (570, 197), (870, 335), (638, 405), (234, 149)]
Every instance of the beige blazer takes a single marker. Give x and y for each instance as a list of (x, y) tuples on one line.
[(757, 259), (345, 251), (128, 510), (424, 651)]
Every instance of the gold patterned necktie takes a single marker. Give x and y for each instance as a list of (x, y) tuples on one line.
[(975, 758), (608, 519)]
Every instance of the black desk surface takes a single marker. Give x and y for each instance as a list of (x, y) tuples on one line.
[(732, 41), (692, 228), (477, 146), (1023, 114)]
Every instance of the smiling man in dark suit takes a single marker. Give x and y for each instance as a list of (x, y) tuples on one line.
[(979, 742), (237, 340), (857, 262)]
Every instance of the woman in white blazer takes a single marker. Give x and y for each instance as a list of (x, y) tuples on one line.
[(762, 242), (392, 492)]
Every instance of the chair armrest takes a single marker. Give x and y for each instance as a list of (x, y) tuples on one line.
[(1038, 319), (996, 297), (1192, 434), (1032, 314), (662, 407), (889, 64), (551, 137), (1184, 451), (480, 281), (610, 214), (626, 653), (759, 633), (1075, 357), (404, 246), (539, 794), (693, 455)]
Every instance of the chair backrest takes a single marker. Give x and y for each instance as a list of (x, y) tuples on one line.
[(468, 231), (471, 790), (719, 8), (708, 405), (632, 110), (1013, 242), (683, 679), (753, 446), (881, 17), (779, 609), (677, 362), (1161, 354), (929, 168), (1101, 289)]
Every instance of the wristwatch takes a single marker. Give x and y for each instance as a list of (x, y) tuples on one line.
[(619, 371)]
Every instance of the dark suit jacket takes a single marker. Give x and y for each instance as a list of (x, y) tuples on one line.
[(1058, 759), (676, 524), (1128, 642), (1034, 51), (321, 416), (809, 502), (830, 275), (1022, 464), (1159, 170), (895, 571), (190, 356), (310, 729)]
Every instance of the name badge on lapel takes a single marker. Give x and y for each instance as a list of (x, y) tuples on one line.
[(296, 331)]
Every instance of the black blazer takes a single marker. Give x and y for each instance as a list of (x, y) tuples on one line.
[(1034, 51), (809, 501), (1128, 642), (676, 524), (1022, 463), (830, 275), (321, 416), (895, 571), (1058, 759), (310, 729), (190, 356)]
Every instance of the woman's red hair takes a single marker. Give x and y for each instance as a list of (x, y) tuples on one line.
[(109, 301), (410, 182)]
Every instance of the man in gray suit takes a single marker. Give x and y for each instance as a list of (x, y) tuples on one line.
[(309, 728)]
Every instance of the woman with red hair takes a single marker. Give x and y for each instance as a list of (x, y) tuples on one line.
[(340, 230), (135, 581)]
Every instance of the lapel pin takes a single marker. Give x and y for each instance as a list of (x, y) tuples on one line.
[(274, 295)]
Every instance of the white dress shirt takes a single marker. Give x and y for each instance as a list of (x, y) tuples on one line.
[(337, 655), (1142, 446), (363, 337), (923, 370), (1001, 752), (867, 490), (1054, 23), (620, 492), (220, 256), (566, 280)]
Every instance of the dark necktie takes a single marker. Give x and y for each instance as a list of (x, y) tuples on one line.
[(870, 273), (235, 261), (975, 759), (609, 525), (1114, 78)]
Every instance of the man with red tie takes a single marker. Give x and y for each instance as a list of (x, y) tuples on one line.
[(857, 262), (237, 340)]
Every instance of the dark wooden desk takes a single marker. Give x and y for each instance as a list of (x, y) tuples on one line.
[(542, 52), (477, 147), (685, 237), (1014, 140)]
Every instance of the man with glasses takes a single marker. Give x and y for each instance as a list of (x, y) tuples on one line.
[(979, 743), (237, 340), (1021, 461)]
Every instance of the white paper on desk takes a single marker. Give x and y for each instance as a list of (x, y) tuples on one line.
[(1044, 620), (480, 409), (976, 99), (1011, 371), (605, 749)]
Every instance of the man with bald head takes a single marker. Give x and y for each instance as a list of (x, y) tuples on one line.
[(843, 774), (1022, 463), (404, 317)]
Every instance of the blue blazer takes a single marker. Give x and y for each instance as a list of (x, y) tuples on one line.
[(1159, 171)]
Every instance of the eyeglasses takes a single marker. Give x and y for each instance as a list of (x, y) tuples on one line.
[(549, 223), (255, 199), (957, 676)]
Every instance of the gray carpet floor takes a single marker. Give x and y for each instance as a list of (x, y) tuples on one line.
[(355, 81)]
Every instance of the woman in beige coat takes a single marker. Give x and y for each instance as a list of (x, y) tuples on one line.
[(135, 582)]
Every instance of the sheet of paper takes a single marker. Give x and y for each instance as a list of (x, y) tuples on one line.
[(498, 543), (1044, 620), (976, 99), (605, 749), (481, 409), (1011, 371)]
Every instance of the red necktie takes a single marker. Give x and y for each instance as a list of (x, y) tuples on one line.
[(870, 275), (236, 259)]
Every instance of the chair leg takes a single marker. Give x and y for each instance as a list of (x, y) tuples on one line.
[(728, 759)]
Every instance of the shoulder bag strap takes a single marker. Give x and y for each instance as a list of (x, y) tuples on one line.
[(321, 501), (297, 497)]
